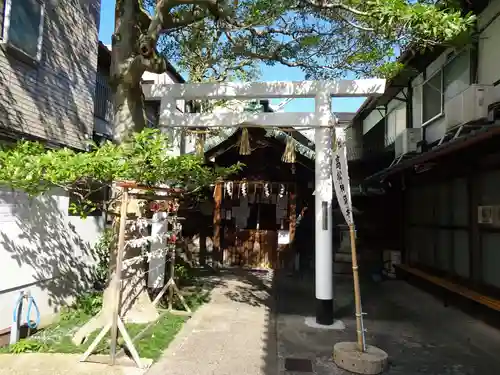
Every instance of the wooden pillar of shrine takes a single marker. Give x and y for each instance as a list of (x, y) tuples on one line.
[(217, 223), (292, 213)]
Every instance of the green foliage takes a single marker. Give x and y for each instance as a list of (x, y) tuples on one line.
[(181, 272), (144, 158), (194, 299), (323, 38), (26, 346), (389, 69), (101, 252), (86, 304), (56, 338), (157, 338), (200, 50)]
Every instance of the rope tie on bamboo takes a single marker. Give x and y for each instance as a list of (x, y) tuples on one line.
[(245, 142), (289, 154), (200, 144)]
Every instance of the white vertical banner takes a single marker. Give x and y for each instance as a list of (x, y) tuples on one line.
[(341, 176), (156, 278)]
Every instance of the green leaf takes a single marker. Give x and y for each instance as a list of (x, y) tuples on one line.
[(144, 158)]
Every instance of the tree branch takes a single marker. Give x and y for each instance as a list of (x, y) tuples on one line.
[(321, 4), (274, 56), (355, 25), (144, 18), (165, 20)]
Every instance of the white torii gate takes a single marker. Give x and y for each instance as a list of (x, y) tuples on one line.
[(320, 119)]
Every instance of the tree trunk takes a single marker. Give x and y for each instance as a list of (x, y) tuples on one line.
[(127, 68)]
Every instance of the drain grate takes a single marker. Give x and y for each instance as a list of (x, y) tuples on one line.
[(298, 365)]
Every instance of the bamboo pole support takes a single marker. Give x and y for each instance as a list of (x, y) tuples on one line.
[(172, 289), (118, 274), (356, 357), (357, 292), (116, 325)]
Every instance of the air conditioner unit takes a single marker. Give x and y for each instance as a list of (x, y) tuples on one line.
[(407, 141), (485, 214), (468, 106), (494, 104), (494, 94), (496, 216)]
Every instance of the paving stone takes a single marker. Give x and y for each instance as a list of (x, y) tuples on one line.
[(233, 334), (417, 332)]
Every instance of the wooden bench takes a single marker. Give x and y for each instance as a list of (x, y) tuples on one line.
[(452, 287)]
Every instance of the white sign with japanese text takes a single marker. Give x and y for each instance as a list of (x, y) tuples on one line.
[(341, 176)]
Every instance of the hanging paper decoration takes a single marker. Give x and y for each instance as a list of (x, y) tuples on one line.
[(200, 144), (282, 191), (289, 154), (229, 189), (245, 142), (266, 190), (244, 190)]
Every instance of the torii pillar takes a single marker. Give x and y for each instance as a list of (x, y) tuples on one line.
[(323, 210)]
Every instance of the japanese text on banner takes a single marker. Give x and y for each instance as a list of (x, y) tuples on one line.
[(341, 178)]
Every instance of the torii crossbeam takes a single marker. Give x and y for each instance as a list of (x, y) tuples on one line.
[(322, 92)]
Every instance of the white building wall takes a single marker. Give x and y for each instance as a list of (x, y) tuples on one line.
[(177, 137), (164, 78), (436, 128), (489, 42), (372, 119), (488, 71), (416, 85), (395, 118), (354, 139), (44, 251)]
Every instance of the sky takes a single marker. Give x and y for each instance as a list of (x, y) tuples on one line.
[(269, 73)]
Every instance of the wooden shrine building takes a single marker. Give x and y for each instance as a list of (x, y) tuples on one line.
[(255, 211)]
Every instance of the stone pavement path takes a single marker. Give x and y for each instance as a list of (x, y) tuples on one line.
[(64, 364), (233, 334)]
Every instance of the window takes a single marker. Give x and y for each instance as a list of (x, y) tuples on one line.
[(449, 81), (456, 75), (103, 106), (432, 98), (22, 26)]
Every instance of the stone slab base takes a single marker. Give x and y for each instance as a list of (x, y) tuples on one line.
[(311, 322), (347, 356)]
